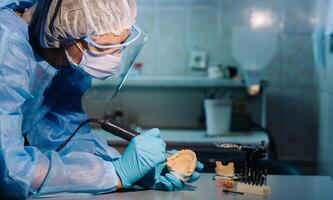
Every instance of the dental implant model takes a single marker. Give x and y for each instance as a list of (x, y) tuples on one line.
[(182, 164)]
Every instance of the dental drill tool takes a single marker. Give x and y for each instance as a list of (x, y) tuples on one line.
[(107, 125), (115, 129)]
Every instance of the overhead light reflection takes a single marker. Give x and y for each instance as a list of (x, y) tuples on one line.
[(261, 19)]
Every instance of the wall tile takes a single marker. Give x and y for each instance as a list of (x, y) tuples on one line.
[(329, 71), (298, 15), (330, 134), (173, 3), (204, 3), (324, 124), (323, 79), (203, 20), (274, 117), (146, 3), (162, 108), (324, 74), (207, 18), (290, 122), (202, 34), (326, 135), (300, 122), (297, 60), (147, 18), (172, 54), (177, 26), (273, 71), (330, 164), (325, 143), (237, 13), (207, 43), (233, 13)]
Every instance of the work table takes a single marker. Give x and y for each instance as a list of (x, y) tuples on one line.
[(282, 187)]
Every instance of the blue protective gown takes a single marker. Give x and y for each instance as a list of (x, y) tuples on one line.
[(16, 4), (44, 104)]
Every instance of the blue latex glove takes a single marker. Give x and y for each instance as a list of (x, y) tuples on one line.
[(143, 153), (161, 179)]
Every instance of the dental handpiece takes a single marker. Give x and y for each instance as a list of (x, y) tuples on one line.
[(118, 130), (107, 125)]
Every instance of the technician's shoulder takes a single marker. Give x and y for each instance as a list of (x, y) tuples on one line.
[(16, 55), (11, 22)]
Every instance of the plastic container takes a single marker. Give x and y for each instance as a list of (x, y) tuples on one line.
[(218, 116)]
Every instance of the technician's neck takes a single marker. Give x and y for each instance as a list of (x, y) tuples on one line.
[(27, 14), (56, 57)]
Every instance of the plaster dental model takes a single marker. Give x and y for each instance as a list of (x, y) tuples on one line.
[(254, 189), (225, 170), (182, 164)]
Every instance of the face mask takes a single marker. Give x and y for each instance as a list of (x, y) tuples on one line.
[(97, 66)]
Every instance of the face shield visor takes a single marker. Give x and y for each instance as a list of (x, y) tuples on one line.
[(108, 89)]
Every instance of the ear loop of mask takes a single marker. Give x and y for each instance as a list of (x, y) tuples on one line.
[(80, 48), (73, 64), (70, 60)]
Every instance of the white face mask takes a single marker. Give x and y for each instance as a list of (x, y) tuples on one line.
[(97, 66)]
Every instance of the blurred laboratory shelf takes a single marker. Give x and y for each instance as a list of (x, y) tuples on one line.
[(198, 141), (198, 137), (173, 81), (282, 187)]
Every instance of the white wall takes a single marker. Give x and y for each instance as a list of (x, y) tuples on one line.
[(326, 102), (177, 26)]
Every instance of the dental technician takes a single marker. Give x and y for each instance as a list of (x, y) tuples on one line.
[(49, 53)]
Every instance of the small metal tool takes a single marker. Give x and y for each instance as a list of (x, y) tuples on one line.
[(261, 178), (242, 175), (107, 125), (233, 192), (116, 129), (265, 177)]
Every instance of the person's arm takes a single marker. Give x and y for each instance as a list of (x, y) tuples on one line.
[(64, 116), (22, 169), (27, 170), (76, 169)]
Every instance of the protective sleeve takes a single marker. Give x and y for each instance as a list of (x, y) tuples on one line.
[(86, 159), (25, 170), (22, 169), (16, 4)]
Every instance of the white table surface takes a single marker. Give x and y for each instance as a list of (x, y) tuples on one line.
[(282, 187)]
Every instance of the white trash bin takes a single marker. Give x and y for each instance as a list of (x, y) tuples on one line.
[(218, 116)]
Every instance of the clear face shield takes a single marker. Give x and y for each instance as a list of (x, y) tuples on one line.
[(108, 89)]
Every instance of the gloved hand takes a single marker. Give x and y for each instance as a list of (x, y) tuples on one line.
[(160, 178), (143, 153)]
